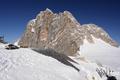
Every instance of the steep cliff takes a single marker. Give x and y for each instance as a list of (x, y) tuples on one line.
[(61, 32)]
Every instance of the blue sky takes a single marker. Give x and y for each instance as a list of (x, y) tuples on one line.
[(15, 14)]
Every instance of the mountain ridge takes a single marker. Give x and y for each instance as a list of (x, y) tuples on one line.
[(61, 32)]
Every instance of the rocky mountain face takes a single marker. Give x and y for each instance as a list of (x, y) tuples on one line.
[(61, 32)]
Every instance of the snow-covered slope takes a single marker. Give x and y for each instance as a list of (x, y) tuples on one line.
[(2, 45), (102, 52), (26, 64)]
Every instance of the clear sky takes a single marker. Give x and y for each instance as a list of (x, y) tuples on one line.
[(14, 14)]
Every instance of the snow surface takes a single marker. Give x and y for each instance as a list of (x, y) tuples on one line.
[(2, 45), (33, 20), (26, 64), (47, 9), (16, 43), (33, 30), (102, 52)]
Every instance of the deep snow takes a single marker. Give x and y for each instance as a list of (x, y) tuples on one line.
[(102, 53), (26, 64)]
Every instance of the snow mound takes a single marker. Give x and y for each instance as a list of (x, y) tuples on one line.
[(26, 64), (2, 45), (102, 52)]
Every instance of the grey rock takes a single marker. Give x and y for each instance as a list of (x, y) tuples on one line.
[(61, 32)]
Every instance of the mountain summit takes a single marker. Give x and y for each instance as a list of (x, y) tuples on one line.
[(61, 32)]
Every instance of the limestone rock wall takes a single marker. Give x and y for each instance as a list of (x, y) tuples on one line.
[(61, 32)]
